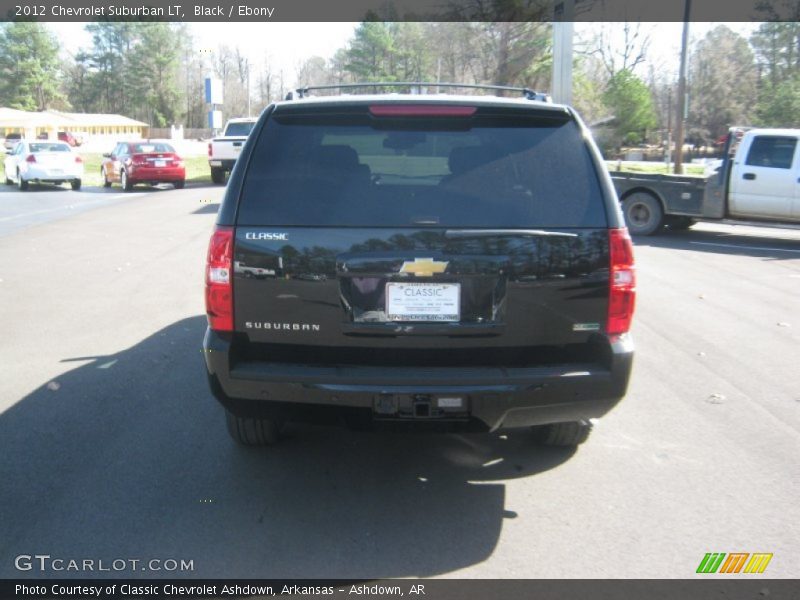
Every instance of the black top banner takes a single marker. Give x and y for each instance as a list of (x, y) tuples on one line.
[(401, 10)]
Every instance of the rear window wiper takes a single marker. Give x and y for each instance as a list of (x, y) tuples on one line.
[(477, 233)]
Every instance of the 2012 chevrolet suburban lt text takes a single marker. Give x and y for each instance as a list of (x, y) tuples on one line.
[(421, 259)]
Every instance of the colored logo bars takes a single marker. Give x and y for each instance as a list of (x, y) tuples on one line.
[(736, 562)]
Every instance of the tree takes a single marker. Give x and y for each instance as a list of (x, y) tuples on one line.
[(371, 53), (629, 99), (621, 53), (781, 106), (134, 69), (722, 83), (30, 72), (154, 70), (777, 50)]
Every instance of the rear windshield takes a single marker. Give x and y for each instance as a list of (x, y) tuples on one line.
[(45, 147), (239, 129), (484, 171), (146, 148)]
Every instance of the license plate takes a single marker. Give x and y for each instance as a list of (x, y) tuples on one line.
[(421, 302), (160, 163), (215, 163)]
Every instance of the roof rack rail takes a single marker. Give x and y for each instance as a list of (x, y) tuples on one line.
[(527, 93)]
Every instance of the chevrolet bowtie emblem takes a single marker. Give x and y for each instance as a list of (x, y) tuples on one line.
[(424, 267)]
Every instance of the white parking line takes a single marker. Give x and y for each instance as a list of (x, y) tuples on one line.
[(746, 247)]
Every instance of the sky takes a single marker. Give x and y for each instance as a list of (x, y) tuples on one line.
[(288, 44)]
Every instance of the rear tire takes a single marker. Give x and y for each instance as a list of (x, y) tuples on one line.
[(21, 183), (643, 214), (106, 182), (569, 434), (126, 183), (252, 431), (75, 184), (179, 185), (217, 175), (8, 181)]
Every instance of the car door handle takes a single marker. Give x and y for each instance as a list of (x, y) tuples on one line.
[(750, 176)]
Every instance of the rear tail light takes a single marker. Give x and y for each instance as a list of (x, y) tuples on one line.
[(622, 294), (31, 158), (209, 148), (219, 288), (138, 160), (78, 159), (421, 110)]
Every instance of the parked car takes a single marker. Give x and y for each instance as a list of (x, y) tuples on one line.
[(43, 162), (470, 262), (146, 161), (11, 140), (66, 136)]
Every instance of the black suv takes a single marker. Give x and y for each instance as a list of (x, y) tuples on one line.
[(411, 258)]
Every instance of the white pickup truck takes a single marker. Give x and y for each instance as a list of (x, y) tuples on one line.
[(223, 151), (759, 180)]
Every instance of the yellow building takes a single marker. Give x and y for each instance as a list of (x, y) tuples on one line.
[(85, 125)]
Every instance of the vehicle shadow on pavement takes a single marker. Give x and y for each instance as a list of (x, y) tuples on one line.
[(718, 242), (211, 208), (127, 456)]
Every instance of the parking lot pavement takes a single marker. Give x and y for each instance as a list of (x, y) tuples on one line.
[(44, 203), (111, 446)]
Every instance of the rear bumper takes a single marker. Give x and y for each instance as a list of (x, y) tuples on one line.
[(45, 175), (222, 163), (156, 175), (494, 397)]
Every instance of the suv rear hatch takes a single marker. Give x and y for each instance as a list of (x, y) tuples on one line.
[(424, 235)]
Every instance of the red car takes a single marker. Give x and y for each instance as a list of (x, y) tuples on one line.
[(143, 162), (66, 136)]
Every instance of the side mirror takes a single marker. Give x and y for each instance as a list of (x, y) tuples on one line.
[(106, 155)]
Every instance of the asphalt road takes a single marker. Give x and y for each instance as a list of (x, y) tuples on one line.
[(112, 448)]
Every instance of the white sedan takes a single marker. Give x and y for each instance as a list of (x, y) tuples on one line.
[(43, 162)]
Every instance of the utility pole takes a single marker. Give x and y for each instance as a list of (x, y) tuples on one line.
[(668, 156), (563, 24), (248, 88), (683, 100)]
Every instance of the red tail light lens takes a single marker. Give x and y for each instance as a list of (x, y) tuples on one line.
[(31, 158), (219, 288), (209, 148), (78, 159), (622, 295)]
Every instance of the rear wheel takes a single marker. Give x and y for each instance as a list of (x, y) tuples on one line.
[(252, 431), (21, 183), (217, 175), (75, 184), (572, 433), (106, 182), (8, 181), (126, 183), (643, 214), (179, 184)]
